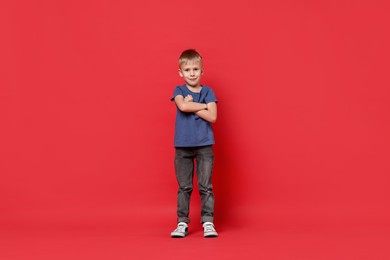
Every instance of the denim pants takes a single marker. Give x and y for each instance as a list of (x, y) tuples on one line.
[(184, 166)]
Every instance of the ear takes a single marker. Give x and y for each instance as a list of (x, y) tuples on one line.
[(181, 74)]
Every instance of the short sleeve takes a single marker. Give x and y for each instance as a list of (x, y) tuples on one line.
[(210, 97), (177, 92)]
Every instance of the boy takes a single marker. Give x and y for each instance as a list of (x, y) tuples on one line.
[(196, 110)]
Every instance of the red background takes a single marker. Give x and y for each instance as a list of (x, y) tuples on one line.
[(86, 135)]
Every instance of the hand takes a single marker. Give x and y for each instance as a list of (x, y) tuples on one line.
[(188, 98)]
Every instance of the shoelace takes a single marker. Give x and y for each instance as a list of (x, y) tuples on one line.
[(209, 228), (180, 228)]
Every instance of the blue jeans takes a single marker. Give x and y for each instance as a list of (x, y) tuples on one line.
[(184, 166)]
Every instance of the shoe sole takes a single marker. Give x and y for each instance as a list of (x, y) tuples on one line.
[(210, 235), (179, 235)]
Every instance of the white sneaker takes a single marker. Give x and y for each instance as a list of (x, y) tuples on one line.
[(209, 230), (181, 230)]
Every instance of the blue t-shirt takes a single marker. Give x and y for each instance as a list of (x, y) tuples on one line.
[(190, 129)]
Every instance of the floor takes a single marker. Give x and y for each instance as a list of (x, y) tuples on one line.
[(125, 235)]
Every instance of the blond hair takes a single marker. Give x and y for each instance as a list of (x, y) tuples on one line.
[(189, 55)]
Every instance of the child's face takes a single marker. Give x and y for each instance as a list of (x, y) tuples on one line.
[(191, 72)]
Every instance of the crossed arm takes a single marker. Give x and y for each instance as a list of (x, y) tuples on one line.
[(206, 111)]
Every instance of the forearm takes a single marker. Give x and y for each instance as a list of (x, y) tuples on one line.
[(206, 115), (210, 114), (192, 107)]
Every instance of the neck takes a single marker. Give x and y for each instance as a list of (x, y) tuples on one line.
[(194, 88)]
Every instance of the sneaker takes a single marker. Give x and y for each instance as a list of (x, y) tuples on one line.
[(209, 230), (181, 230)]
